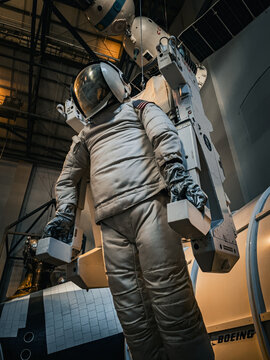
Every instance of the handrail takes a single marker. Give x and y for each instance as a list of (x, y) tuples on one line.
[(259, 216), (9, 251), (194, 274), (52, 201), (255, 295), (8, 227)]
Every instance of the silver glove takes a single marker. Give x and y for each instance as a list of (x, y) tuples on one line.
[(182, 186), (60, 226)]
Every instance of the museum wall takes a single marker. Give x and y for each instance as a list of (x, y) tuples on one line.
[(241, 74), (23, 189), (235, 98)]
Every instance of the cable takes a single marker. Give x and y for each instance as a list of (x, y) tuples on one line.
[(142, 82), (165, 15), (4, 146)]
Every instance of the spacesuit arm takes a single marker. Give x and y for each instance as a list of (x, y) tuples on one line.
[(162, 134), (76, 163), (166, 144)]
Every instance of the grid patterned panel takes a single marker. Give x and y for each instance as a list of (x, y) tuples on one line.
[(219, 24), (74, 316), (13, 317)]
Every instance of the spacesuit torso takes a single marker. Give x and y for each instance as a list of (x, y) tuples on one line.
[(127, 147)]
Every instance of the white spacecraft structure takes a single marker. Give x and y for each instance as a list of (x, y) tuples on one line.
[(230, 278)]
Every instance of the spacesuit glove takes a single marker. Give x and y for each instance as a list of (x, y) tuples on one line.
[(60, 226), (182, 186)]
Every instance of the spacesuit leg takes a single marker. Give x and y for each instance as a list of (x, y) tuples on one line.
[(130, 296), (167, 280)]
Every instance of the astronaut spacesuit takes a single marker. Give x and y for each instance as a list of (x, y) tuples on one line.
[(133, 150)]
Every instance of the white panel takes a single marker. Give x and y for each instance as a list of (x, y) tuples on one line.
[(74, 316), (13, 317)]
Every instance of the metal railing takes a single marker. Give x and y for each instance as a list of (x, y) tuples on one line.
[(256, 300), (10, 248)]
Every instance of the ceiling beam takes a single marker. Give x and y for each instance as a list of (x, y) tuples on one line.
[(49, 149), (30, 78), (44, 24), (54, 58), (52, 81), (17, 58), (26, 94), (73, 31), (8, 112), (71, 3), (85, 32), (22, 129), (13, 154)]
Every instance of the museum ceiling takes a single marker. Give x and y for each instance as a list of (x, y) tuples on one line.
[(45, 43)]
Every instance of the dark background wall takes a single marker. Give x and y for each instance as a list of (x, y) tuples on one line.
[(236, 100), (240, 74), (23, 189)]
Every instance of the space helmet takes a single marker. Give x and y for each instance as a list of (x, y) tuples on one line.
[(96, 84)]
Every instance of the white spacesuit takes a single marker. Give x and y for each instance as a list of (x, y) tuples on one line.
[(133, 150)]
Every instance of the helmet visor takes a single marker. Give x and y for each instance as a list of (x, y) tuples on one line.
[(90, 88)]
